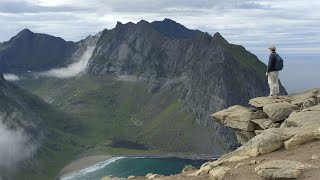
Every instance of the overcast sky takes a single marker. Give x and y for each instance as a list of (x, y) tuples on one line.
[(293, 25)]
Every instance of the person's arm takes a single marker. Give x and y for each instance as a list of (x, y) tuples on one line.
[(269, 64), (272, 61)]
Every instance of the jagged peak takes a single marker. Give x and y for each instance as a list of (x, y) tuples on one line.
[(26, 30), (119, 24), (174, 29), (219, 38), (167, 19), (143, 22)]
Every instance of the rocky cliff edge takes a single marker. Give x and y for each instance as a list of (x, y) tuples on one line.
[(279, 136)]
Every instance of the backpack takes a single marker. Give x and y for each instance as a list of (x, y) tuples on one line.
[(279, 63)]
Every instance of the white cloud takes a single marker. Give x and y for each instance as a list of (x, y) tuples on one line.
[(11, 77), (73, 69), (15, 146)]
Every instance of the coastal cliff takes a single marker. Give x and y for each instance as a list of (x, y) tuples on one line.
[(283, 141)]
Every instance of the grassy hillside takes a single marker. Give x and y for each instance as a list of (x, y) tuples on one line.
[(55, 132), (122, 109), (118, 116)]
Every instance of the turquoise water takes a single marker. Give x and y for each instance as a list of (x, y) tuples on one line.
[(126, 166)]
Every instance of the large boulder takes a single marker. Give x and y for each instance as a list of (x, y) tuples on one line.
[(300, 138), (239, 117), (279, 111), (309, 102), (266, 142), (218, 173), (203, 170), (304, 118), (281, 169), (189, 168), (153, 176)]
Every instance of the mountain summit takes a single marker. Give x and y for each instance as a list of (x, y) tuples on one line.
[(209, 73), (174, 29)]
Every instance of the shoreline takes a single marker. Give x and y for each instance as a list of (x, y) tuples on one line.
[(85, 162), (81, 164)]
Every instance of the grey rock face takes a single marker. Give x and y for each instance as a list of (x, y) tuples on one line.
[(215, 74)]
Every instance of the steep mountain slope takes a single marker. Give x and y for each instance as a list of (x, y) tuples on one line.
[(41, 139), (208, 72), (36, 52), (28, 51), (156, 84)]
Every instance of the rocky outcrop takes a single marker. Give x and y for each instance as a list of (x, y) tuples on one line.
[(239, 117), (289, 122), (270, 113)]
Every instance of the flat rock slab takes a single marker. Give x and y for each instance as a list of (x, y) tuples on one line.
[(239, 117), (299, 119), (279, 111), (259, 102), (281, 169)]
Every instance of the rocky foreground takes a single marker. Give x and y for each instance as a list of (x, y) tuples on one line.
[(279, 138)]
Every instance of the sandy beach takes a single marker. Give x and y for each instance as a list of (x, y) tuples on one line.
[(82, 163)]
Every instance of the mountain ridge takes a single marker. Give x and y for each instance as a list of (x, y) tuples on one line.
[(208, 66)]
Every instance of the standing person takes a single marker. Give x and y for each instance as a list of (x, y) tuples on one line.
[(273, 72)]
